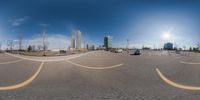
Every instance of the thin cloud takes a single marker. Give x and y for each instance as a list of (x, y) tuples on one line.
[(18, 21)]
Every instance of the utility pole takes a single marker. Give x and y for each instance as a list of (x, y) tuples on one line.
[(198, 46), (20, 42), (0, 45), (127, 45), (44, 41)]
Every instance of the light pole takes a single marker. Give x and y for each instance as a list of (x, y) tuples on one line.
[(44, 41), (127, 45)]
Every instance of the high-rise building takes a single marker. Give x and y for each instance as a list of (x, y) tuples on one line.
[(93, 47), (73, 41), (108, 42), (78, 40), (87, 46)]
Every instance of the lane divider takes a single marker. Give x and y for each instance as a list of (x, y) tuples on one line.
[(174, 84), (11, 61), (191, 63), (28, 81), (100, 68)]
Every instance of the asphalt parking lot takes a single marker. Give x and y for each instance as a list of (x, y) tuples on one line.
[(101, 75)]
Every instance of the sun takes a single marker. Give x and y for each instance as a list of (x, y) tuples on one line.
[(166, 35)]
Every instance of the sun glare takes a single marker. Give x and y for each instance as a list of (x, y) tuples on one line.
[(166, 35)]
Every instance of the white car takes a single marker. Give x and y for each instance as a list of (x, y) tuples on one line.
[(118, 51)]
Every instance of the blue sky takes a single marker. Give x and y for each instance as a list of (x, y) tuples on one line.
[(143, 22)]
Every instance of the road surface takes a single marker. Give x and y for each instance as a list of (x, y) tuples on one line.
[(100, 75)]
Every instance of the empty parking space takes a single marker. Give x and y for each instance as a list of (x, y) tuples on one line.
[(18, 72), (4, 59)]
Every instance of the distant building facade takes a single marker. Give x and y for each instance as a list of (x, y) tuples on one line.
[(90, 47), (168, 46), (78, 40), (108, 42), (87, 46), (93, 47), (73, 41)]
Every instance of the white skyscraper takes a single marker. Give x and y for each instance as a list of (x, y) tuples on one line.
[(78, 40)]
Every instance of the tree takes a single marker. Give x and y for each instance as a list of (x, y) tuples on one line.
[(39, 47), (194, 49), (29, 48), (33, 47), (184, 47), (190, 48), (198, 45), (175, 46), (0, 45), (10, 45)]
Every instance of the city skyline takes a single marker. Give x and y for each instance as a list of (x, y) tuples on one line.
[(141, 22)]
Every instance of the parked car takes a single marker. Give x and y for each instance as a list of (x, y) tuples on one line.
[(63, 51), (118, 51), (137, 52), (112, 50)]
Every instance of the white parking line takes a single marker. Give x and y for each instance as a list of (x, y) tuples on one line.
[(11, 61), (83, 66), (191, 63), (96, 58), (44, 59)]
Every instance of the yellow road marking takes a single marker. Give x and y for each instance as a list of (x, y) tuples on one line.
[(25, 82), (174, 84), (191, 63), (109, 67), (11, 61)]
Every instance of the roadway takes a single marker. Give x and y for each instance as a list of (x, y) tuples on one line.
[(101, 75)]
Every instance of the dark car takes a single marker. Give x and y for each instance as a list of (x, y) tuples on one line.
[(137, 52)]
